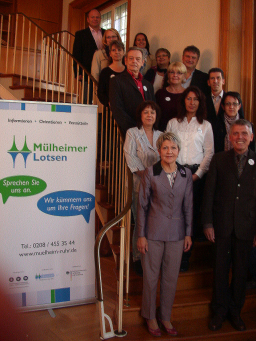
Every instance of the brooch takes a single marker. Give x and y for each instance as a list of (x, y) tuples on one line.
[(145, 88), (251, 162), (167, 99)]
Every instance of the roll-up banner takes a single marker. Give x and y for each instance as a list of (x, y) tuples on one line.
[(47, 216)]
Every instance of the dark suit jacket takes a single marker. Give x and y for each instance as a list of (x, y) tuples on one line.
[(124, 97), (165, 213), (200, 79), (84, 48), (211, 113), (219, 133), (229, 201)]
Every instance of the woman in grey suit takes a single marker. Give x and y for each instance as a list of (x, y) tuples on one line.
[(164, 223)]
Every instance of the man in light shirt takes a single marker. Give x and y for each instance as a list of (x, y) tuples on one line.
[(87, 41), (216, 81), (190, 58)]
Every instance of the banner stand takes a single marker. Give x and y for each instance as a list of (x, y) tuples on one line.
[(47, 183)]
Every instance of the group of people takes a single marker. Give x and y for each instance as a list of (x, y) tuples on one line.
[(174, 118)]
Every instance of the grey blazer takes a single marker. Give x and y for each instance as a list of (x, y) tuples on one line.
[(165, 213)]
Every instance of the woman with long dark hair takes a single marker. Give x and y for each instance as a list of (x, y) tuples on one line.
[(141, 41), (197, 148)]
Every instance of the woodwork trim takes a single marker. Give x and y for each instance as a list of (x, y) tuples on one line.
[(224, 37), (247, 64)]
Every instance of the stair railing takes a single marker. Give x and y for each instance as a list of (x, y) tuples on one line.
[(47, 67)]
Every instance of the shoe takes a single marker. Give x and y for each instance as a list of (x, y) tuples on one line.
[(237, 323), (215, 323), (171, 331), (154, 332), (184, 266)]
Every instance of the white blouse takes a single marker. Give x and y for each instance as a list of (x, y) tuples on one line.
[(197, 146), (139, 153)]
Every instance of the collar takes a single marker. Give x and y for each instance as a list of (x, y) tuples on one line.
[(244, 154), (190, 77), (140, 77), (219, 95), (157, 169), (93, 30)]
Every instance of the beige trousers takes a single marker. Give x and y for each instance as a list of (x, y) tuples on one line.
[(164, 256)]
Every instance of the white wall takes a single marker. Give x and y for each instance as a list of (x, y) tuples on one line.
[(174, 24)]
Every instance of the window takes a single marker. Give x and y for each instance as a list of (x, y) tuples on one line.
[(116, 16)]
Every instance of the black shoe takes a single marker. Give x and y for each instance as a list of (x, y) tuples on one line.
[(138, 268), (216, 323), (237, 323), (184, 266)]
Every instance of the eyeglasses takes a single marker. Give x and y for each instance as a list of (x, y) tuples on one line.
[(111, 37), (234, 104), (176, 73)]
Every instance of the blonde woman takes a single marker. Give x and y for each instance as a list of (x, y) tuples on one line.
[(101, 57), (167, 98)]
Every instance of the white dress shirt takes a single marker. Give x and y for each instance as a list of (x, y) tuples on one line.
[(139, 153), (197, 145), (97, 35)]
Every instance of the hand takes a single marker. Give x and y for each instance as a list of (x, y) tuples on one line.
[(209, 234), (142, 245), (187, 243), (195, 177)]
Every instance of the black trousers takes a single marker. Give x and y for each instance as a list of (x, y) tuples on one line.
[(198, 191), (234, 253)]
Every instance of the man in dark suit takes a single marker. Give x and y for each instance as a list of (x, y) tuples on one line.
[(229, 218), (128, 90), (216, 81), (190, 58), (86, 42)]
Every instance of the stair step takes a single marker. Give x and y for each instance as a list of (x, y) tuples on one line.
[(188, 305), (107, 211), (101, 193), (197, 330), (28, 94)]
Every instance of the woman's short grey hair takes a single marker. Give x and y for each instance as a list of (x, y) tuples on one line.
[(170, 137)]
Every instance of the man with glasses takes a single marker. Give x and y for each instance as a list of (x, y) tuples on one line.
[(128, 90), (216, 81), (155, 75)]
